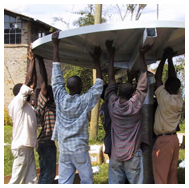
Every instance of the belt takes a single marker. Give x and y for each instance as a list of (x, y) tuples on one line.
[(167, 134)]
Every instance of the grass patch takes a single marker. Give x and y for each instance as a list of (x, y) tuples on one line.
[(8, 160), (182, 128), (99, 178), (7, 134), (181, 171), (102, 176)]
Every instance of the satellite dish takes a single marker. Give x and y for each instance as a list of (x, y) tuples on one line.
[(75, 44)]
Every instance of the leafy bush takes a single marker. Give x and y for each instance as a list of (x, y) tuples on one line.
[(101, 132), (7, 118)]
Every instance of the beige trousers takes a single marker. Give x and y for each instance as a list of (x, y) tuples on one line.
[(23, 169), (165, 159)]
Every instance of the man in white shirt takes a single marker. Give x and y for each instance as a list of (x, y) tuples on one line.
[(24, 128)]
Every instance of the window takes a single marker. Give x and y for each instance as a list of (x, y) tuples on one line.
[(12, 30)]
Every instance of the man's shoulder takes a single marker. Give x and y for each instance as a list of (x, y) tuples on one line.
[(99, 81), (160, 89)]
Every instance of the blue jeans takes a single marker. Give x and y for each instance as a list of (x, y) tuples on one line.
[(131, 169), (47, 162), (69, 163)]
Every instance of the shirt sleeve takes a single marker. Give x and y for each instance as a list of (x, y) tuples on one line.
[(23, 94), (141, 89), (111, 93), (94, 93), (58, 84)]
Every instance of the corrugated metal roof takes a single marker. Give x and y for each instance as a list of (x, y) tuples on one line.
[(75, 44)]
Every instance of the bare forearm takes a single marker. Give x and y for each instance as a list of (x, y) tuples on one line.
[(171, 68), (111, 76), (43, 71), (56, 53), (159, 71), (98, 70), (143, 63), (30, 72), (34, 78)]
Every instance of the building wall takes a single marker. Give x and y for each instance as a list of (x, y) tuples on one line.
[(26, 33), (15, 65), (15, 69)]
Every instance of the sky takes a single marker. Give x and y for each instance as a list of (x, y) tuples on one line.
[(46, 12)]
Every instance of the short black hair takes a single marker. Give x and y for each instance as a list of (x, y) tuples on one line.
[(74, 84), (172, 84), (16, 88), (126, 90)]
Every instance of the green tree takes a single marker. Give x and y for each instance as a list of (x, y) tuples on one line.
[(126, 9), (87, 17), (84, 73)]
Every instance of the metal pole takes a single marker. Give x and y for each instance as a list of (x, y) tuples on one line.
[(147, 125)]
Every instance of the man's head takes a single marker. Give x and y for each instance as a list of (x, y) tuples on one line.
[(74, 85), (126, 90), (172, 85), (50, 94), (16, 88)]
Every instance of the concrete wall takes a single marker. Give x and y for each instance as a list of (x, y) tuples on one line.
[(15, 69), (16, 64)]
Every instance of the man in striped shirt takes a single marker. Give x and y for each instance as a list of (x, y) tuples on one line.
[(125, 112), (46, 111)]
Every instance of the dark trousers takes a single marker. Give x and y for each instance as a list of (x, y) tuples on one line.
[(47, 162)]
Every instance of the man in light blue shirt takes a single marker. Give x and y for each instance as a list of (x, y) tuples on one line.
[(71, 127)]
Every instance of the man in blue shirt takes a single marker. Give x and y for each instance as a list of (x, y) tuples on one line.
[(71, 127)]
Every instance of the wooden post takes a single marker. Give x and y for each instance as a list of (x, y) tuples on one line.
[(95, 110)]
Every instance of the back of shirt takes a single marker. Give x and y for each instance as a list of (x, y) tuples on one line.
[(126, 119), (168, 112), (24, 120), (71, 127)]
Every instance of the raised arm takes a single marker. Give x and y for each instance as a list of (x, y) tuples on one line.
[(142, 52), (171, 68), (43, 73), (55, 41), (58, 84), (96, 58), (31, 78), (168, 53), (111, 51), (159, 71), (142, 84)]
